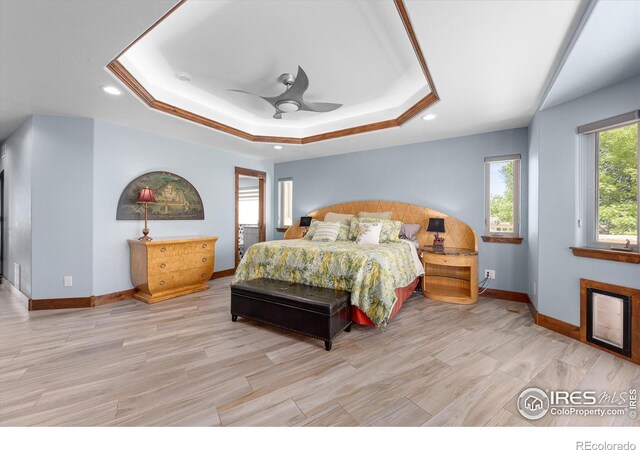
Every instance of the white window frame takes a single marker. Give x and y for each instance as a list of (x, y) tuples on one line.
[(281, 213), (591, 152), (516, 195)]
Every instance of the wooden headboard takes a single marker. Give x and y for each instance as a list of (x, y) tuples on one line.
[(458, 234)]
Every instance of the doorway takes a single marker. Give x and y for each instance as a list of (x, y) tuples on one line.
[(1, 226), (250, 210)]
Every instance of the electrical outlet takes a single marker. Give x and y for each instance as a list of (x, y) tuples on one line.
[(491, 274), (535, 288), (68, 281)]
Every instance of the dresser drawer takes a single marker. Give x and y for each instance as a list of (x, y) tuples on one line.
[(186, 248), (172, 263), (205, 247), (171, 250), (179, 278)]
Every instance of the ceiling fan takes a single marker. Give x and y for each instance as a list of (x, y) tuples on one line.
[(291, 99)]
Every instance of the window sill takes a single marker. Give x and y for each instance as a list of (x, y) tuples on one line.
[(281, 230), (610, 255), (502, 239)]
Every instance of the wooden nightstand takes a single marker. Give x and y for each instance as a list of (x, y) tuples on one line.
[(450, 275)]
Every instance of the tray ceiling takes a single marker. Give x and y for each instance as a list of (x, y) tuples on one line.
[(490, 61), (361, 54)]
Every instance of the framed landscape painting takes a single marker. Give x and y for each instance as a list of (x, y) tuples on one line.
[(176, 199)]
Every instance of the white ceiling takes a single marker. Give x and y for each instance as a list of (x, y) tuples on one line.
[(356, 53), (490, 61), (607, 51)]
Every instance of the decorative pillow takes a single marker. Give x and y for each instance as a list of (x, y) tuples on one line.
[(408, 231), (368, 233), (326, 232), (389, 233), (312, 229), (375, 215), (344, 219), (343, 234)]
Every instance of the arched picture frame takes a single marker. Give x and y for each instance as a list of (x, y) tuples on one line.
[(176, 199)]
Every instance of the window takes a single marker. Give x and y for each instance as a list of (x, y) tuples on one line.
[(285, 202), (502, 196), (611, 189)]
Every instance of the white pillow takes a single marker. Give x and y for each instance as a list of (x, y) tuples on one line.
[(344, 219), (369, 233), (326, 232)]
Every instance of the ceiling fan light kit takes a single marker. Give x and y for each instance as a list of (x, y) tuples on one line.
[(288, 106)]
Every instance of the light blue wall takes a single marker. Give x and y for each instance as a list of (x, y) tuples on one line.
[(17, 205), (62, 215), (120, 155), (446, 175), (559, 271), (63, 179)]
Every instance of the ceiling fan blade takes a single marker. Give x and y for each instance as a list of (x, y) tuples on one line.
[(271, 100), (320, 107), (277, 115), (299, 87), (244, 92)]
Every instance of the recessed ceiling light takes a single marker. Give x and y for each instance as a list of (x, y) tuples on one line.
[(429, 116), (278, 147), (111, 90), (184, 76)]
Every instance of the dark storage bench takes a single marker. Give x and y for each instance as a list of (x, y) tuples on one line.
[(317, 312)]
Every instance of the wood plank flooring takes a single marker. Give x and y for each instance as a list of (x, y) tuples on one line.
[(184, 363)]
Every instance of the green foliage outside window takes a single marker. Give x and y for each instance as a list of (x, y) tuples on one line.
[(501, 206), (618, 181)]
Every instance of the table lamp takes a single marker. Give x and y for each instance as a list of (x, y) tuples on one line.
[(146, 196), (437, 226), (305, 222)]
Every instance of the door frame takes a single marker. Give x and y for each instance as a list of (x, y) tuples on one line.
[(262, 227), (1, 226)]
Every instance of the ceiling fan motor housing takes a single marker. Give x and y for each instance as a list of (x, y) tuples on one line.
[(287, 79)]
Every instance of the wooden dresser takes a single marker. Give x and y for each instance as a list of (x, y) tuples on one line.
[(166, 268)]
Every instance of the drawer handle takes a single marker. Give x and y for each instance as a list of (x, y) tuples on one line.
[(204, 259), (204, 245), (163, 249), (161, 282), (163, 265)]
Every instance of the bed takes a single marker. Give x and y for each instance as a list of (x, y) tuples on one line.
[(380, 277), (372, 273)]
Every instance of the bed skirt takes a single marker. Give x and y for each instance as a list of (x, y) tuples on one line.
[(402, 294)]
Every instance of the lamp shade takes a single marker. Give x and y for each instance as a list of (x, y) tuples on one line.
[(305, 221), (436, 225), (146, 196)]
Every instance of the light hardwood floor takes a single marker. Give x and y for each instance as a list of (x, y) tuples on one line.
[(183, 362)]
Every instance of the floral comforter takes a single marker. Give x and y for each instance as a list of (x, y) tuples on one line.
[(370, 272)]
